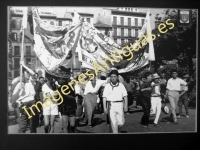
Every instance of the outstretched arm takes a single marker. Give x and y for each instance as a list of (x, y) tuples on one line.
[(27, 68)]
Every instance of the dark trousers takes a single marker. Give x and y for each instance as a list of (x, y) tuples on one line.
[(130, 98), (146, 105), (138, 98), (23, 119), (183, 101)]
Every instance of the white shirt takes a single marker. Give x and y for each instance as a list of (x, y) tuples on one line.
[(90, 89), (45, 90), (77, 89), (175, 84), (156, 91), (27, 93), (115, 93)]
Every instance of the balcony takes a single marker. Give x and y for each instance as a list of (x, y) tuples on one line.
[(127, 25)]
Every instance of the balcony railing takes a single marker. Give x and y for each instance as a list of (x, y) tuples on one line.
[(128, 25)]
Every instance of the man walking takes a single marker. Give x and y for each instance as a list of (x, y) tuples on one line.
[(115, 94), (172, 92), (146, 98)]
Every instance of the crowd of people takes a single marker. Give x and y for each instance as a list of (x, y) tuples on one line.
[(112, 95)]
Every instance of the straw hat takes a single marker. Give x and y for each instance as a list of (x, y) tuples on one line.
[(155, 76)]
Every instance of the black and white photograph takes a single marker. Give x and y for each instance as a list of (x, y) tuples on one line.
[(101, 70)]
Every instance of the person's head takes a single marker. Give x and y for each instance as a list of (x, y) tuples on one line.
[(41, 80), (49, 78), (156, 78), (25, 75), (62, 81), (174, 73), (148, 76), (162, 75), (36, 76), (114, 76)]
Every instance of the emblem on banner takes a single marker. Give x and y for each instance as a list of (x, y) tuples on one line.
[(184, 17)]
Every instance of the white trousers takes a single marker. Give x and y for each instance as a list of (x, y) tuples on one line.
[(156, 107), (116, 114)]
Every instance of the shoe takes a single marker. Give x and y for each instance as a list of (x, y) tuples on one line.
[(187, 116), (156, 125), (127, 113), (175, 122), (90, 126), (178, 116), (83, 122), (145, 126)]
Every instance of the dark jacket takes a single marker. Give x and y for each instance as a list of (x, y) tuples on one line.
[(146, 93)]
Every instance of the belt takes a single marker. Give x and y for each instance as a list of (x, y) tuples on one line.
[(174, 91), (115, 101)]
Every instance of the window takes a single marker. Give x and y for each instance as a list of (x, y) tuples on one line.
[(122, 41), (122, 20), (129, 32), (122, 31), (28, 61), (59, 23), (129, 21), (15, 36), (16, 50), (128, 9), (129, 40), (16, 62), (13, 24), (51, 22), (115, 32), (142, 22), (16, 73), (136, 32), (28, 50), (135, 10), (88, 20), (114, 20), (136, 22), (115, 40)]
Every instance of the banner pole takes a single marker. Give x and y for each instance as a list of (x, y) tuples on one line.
[(22, 56)]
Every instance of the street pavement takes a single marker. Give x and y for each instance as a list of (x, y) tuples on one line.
[(132, 124)]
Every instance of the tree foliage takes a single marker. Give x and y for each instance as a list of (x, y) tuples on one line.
[(178, 43)]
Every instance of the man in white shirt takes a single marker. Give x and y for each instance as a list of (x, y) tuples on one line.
[(24, 96), (115, 94), (90, 99), (172, 92)]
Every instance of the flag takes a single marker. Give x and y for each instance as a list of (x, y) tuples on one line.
[(151, 46), (54, 45), (25, 18)]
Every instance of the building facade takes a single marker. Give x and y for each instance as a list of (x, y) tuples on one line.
[(126, 24), (15, 40)]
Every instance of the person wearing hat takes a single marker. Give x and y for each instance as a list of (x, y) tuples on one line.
[(156, 98), (120, 78), (114, 96), (172, 92)]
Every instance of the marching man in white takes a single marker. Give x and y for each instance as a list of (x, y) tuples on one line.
[(115, 94), (156, 98)]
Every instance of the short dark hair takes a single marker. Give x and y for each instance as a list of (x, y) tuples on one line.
[(114, 72), (102, 77), (174, 70), (147, 74)]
